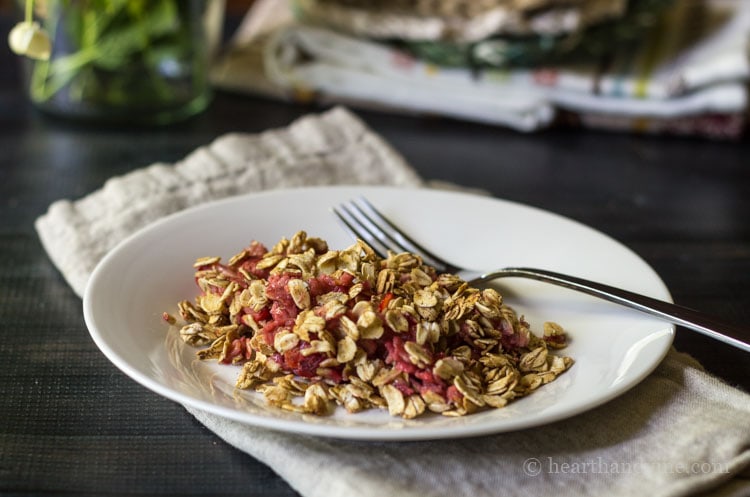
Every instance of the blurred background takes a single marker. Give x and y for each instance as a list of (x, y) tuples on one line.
[(660, 67)]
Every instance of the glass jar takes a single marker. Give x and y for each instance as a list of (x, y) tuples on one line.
[(134, 61)]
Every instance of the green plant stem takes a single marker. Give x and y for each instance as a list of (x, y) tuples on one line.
[(61, 71)]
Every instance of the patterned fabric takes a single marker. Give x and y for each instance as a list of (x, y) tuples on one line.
[(687, 74), (462, 20), (589, 43)]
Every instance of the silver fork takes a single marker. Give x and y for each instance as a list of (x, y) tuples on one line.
[(364, 221)]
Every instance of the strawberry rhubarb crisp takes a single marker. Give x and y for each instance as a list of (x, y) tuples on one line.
[(312, 327)]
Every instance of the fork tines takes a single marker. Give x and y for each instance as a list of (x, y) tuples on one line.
[(362, 220)]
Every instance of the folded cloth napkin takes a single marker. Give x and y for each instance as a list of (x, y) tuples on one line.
[(680, 432), (693, 63), (335, 147)]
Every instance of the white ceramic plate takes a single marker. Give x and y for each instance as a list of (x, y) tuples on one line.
[(149, 273)]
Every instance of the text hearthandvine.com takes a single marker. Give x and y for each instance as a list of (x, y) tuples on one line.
[(534, 466)]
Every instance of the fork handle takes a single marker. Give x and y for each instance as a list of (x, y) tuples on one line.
[(677, 314)]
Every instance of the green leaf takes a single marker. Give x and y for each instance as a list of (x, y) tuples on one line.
[(121, 41)]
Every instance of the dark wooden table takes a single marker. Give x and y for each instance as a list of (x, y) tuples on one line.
[(71, 423)]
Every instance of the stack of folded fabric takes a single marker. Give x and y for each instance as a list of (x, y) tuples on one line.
[(655, 66)]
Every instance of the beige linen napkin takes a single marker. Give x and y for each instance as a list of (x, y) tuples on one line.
[(680, 432), (333, 148)]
